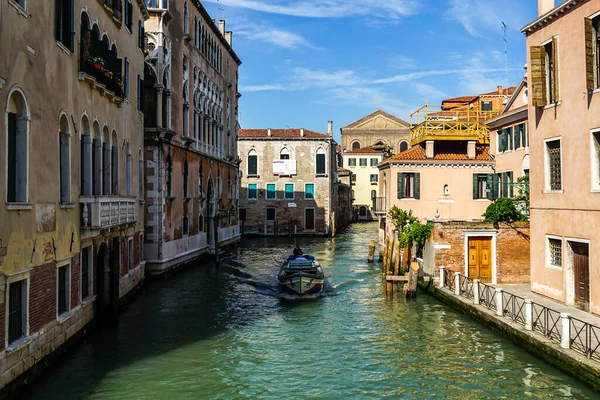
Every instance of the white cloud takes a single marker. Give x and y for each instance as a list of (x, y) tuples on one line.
[(401, 62), (273, 36), (423, 74), (479, 17), (389, 9), (264, 88), (368, 98)]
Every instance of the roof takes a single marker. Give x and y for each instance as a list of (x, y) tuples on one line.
[(366, 150), (373, 114), (551, 15), (468, 99), (281, 133), (417, 153), (461, 99), (343, 171), (506, 91)]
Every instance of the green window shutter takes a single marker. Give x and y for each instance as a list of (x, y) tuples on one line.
[(321, 164), (475, 186), (589, 55), (511, 186), (537, 63), (310, 191), (400, 185), (504, 185), (510, 139), (495, 183), (252, 165), (518, 133), (417, 190), (504, 139), (499, 141)]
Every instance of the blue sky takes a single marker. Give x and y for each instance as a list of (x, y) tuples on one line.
[(309, 61)]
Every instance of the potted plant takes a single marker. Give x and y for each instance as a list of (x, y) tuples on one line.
[(108, 74), (97, 63)]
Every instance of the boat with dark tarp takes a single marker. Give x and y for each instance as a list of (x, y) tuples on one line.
[(301, 275)]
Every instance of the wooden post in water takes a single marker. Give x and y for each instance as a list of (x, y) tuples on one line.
[(398, 257), (216, 221), (371, 252), (410, 288), (389, 285)]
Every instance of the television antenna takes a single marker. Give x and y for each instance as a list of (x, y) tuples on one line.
[(505, 56)]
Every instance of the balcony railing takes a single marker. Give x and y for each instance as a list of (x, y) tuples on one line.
[(379, 205), (432, 122), (98, 212)]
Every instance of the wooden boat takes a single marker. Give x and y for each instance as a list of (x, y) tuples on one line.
[(301, 276)]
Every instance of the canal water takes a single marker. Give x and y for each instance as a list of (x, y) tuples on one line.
[(222, 333)]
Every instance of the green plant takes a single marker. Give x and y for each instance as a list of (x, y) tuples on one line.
[(401, 218), (97, 60), (522, 198), (503, 210)]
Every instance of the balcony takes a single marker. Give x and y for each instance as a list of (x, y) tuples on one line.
[(379, 206), (101, 212), (433, 122)]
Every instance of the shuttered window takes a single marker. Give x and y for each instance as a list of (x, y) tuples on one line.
[(252, 191), (16, 310), (253, 165), (363, 162), (352, 162), (309, 191), (517, 135), (64, 20), (592, 52), (65, 169), (129, 15), (374, 162), (126, 79), (485, 186), (141, 35), (17, 159), (271, 191), (544, 73), (86, 259), (409, 185)]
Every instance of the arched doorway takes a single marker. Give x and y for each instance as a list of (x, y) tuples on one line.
[(107, 281)]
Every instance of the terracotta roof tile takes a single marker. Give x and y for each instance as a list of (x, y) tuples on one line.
[(461, 99), (417, 153), (365, 150), (505, 91), (280, 133)]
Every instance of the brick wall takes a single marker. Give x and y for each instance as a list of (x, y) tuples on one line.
[(75, 278), (512, 248), (136, 249), (42, 296)]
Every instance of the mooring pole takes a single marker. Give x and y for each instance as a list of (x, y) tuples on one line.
[(371, 252)]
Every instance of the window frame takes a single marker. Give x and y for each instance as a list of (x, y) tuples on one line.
[(64, 34), (67, 311), (274, 191), (285, 192), (360, 162), (24, 276), (373, 162), (376, 178), (352, 162), (255, 191), (18, 203), (547, 166), (256, 173), (487, 103), (551, 71), (64, 179), (305, 191), (321, 153), (274, 210), (595, 160), (409, 185), (549, 257)]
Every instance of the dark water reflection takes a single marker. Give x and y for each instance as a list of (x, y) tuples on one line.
[(223, 333)]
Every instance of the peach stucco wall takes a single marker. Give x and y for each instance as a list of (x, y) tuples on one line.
[(573, 212)]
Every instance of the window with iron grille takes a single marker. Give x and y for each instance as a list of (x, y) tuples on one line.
[(555, 252), (554, 165), (63, 289), (17, 310)]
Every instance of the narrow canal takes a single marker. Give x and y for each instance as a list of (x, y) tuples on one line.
[(223, 333)]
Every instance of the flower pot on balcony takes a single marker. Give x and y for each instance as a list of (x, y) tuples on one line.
[(108, 74), (97, 67)]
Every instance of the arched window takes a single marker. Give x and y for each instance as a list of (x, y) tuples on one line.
[(196, 31), (284, 154), (186, 29), (355, 146), (403, 146), (141, 174), (64, 135), (185, 179), (252, 163), (106, 157), (97, 161), (200, 181), (86, 157), (169, 172), (17, 152), (128, 166), (321, 162), (115, 164), (186, 110)]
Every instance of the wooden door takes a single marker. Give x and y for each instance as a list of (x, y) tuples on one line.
[(581, 264), (309, 219), (480, 259)]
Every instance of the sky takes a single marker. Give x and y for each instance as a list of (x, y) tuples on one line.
[(305, 62)]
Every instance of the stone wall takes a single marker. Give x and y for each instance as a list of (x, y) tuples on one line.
[(448, 241)]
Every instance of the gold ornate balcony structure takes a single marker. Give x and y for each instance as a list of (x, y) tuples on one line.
[(440, 122)]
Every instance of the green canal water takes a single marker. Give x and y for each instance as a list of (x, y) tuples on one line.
[(222, 333)]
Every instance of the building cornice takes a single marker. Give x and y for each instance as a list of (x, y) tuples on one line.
[(510, 117), (437, 164), (551, 15), (216, 31)]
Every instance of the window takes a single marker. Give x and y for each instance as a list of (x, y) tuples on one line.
[(63, 289), (186, 225), (403, 146), (518, 136), (485, 186), (320, 161), (270, 214), (309, 191), (17, 152), (355, 146), (65, 160), (141, 249), (553, 165), (141, 35), (506, 184), (128, 15), (141, 175), (352, 162), (409, 185), (115, 164), (284, 154), (486, 106), (353, 179), (185, 179), (374, 178), (596, 160), (374, 162), (130, 253), (373, 194), (555, 252), (20, 3), (252, 191), (544, 67), (86, 272), (592, 52), (289, 191), (363, 162), (140, 93), (65, 27), (271, 191), (126, 79), (17, 310), (242, 214), (252, 164), (186, 29)]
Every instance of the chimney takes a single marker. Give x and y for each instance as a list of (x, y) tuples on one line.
[(222, 26), (471, 150), (269, 132), (545, 6), (329, 128), (500, 90), (429, 149), (301, 132), (228, 37)]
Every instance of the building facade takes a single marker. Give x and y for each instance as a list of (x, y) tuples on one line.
[(378, 128), (564, 83), (288, 178), (191, 108), (365, 179), (72, 215)]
